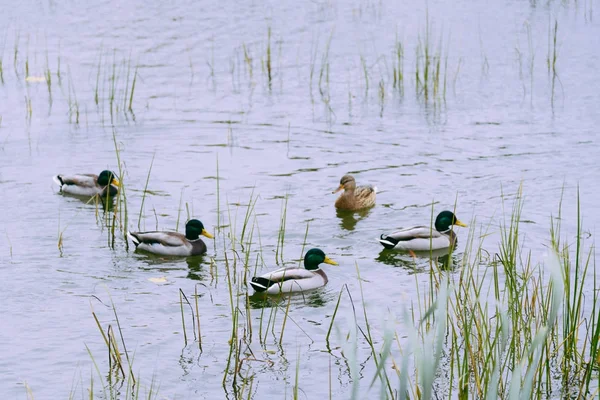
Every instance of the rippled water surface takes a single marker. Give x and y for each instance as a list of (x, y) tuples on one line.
[(278, 100)]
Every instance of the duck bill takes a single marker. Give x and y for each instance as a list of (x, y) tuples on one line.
[(115, 182), (329, 261), (205, 233), (460, 223), (338, 189)]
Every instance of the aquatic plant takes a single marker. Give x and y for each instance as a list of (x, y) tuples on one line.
[(120, 377), (430, 78), (145, 192), (398, 72), (268, 61), (2, 47), (552, 57), (48, 79)]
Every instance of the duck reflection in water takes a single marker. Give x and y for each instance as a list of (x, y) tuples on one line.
[(166, 264), (314, 298), (349, 219), (106, 204), (442, 257), (195, 271)]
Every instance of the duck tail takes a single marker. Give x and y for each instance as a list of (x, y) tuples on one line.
[(387, 242), (133, 238), (58, 180), (260, 284), (375, 189)]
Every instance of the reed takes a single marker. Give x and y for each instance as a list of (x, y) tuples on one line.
[(28, 109), (16, 53), (179, 208), (335, 311), (268, 62), (398, 74), (313, 61), (127, 78), (324, 72), (456, 75), (191, 64), (365, 71), (431, 66), (182, 317), (233, 341), (381, 97), (113, 82), (281, 233), (369, 338), (285, 317), (145, 192), (211, 62), (531, 61), (248, 62), (96, 89), (485, 65), (58, 73), (297, 377), (552, 57), (116, 80), (73, 103), (48, 79), (198, 317), (2, 47), (121, 209), (249, 212), (218, 196), (135, 75), (446, 69), (118, 381)]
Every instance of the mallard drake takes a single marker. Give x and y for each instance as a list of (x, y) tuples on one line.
[(295, 279), (354, 197), (89, 184), (423, 238), (169, 243)]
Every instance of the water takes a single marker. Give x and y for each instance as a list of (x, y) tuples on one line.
[(196, 102)]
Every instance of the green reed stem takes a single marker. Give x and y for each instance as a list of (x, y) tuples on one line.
[(198, 318), (135, 75), (182, 316), (145, 191), (287, 311)]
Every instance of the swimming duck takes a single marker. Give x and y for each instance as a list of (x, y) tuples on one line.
[(295, 279), (169, 243), (89, 184), (423, 238), (354, 197)]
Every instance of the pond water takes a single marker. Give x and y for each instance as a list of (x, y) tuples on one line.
[(278, 100)]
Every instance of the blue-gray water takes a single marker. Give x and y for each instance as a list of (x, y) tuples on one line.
[(495, 123)]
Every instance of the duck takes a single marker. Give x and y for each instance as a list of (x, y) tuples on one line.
[(424, 238), (169, 243), (295, 279), (104, 184), (354, 197)]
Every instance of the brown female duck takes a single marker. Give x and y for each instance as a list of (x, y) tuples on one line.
[(354, 197)]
